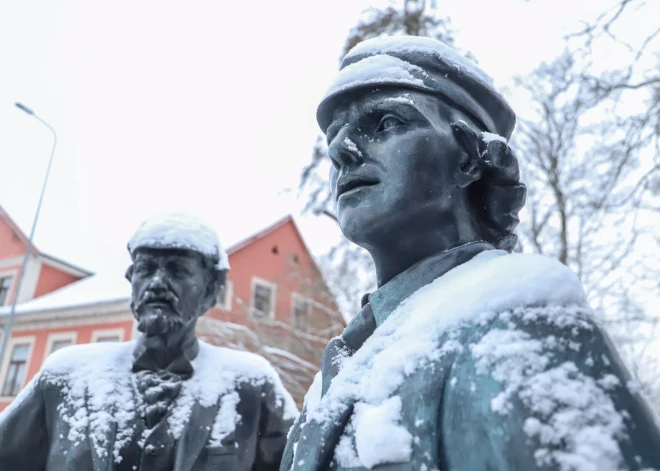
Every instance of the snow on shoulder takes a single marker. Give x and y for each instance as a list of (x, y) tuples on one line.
[(219, 372), (179, 230), (98, 383), (97, 380)]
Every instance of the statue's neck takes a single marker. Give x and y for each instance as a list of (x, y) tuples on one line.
[(165, 348), (399, 251)]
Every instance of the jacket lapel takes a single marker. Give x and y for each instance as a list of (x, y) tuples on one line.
[(194, 435), (102, 456), (317, 442)]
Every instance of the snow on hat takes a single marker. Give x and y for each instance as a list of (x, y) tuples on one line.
[(179, 230), (424, 64)]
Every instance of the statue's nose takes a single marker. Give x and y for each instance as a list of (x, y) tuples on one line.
[(344, 151), (157, 281)]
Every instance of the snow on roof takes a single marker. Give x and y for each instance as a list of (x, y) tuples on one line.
[(92, 290), (179, 230)]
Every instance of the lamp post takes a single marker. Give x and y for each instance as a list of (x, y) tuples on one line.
[(6, 332)]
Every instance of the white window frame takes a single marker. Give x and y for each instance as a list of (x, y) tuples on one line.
[(13, 341), (229, 293), (118, 332), (306, 300), (273, 297), (13, 273), (71, 336)]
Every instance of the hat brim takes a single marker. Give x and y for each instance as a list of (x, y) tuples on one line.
[(474, 98)]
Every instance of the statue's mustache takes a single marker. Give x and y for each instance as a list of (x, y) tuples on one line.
[(165, 297)]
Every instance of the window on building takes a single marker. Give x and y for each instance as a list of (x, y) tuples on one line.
[(16, 370), (5, 288), (262, 299), (108, 335), (302, 311), (60, 344)]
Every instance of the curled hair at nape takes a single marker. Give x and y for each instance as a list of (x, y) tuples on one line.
[(500, 195)]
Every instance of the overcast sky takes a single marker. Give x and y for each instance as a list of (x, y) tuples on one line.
[(205, 105)]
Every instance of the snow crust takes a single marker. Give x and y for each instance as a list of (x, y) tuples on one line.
[(179, 230), (345, 452), (492, 282), (377, 70), (91, 290), (570, 411), (350, 145), (421, 45), (377, 429), (403, 98), (489, 137), (226, 420), (100, 376)]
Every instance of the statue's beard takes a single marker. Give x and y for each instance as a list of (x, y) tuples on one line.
[(159, 323), (158, 315)]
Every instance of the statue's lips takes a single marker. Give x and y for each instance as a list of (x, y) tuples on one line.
[(159, 305), (350, 185)]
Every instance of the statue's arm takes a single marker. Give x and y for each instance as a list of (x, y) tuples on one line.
[(23, 431), (273, 429), (545, 391)]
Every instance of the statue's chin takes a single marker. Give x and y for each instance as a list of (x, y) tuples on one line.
[(355, 229), (162, 323)]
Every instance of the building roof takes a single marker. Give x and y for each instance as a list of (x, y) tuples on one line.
[(98, 289), (65, 266), (49, 259), (259, 235), (17, 230)]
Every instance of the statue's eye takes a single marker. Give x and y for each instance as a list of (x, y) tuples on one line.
[(388, 122), (180, 271), (143, 268)]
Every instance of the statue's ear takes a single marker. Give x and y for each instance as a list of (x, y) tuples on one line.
[(215, 286), (469, 170), (470, 164)]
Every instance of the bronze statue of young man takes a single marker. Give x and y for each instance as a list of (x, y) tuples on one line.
[(467, 357), (166, 401)]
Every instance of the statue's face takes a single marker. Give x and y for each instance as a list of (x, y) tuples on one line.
[(394, 159), (169, 289)]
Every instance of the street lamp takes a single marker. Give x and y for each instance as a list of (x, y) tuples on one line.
[(28, 249)]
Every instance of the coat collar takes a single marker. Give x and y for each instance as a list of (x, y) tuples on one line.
[(180, 365), (389, 296)]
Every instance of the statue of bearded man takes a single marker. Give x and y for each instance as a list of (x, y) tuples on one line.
[(164, 401)]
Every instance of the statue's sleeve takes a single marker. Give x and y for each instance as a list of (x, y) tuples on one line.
[(544, 389), (292, 441), (23, 431), (274, 425)]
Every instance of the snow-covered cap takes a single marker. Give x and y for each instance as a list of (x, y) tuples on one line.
[(179, 230), (424, 64)]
